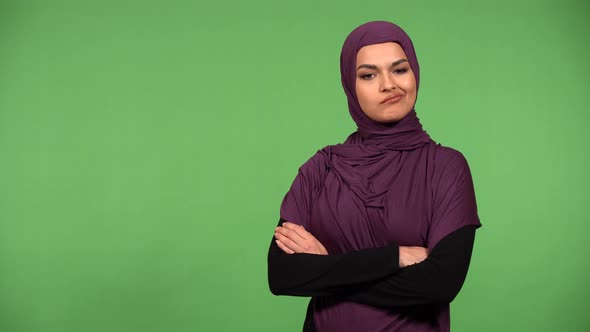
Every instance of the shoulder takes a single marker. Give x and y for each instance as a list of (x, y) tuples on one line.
[(318, 163), (449, 159), (450, 167)]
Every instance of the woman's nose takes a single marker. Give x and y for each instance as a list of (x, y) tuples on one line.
[(388, 83)]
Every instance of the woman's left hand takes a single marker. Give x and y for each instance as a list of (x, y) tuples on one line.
[(293, 238)]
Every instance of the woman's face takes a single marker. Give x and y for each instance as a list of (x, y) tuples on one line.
[(385, 83)]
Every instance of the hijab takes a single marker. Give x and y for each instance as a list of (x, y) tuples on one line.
[(405, 134), (367, 152)]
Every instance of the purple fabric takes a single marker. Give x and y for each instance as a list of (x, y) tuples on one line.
[(386, 183), (405, 134)]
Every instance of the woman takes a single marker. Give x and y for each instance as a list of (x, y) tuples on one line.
[(378, 230)]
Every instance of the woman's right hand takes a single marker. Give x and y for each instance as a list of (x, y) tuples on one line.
[(293, 238), (411, 255)]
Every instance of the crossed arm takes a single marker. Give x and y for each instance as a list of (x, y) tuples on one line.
[(391, 276), (293, 238)]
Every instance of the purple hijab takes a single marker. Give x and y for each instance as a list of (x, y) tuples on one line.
[(388, 182), (405, 134)]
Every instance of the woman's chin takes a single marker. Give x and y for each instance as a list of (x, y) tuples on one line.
[(390, 118)]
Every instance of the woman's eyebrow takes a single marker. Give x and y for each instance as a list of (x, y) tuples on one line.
[(395, 63)]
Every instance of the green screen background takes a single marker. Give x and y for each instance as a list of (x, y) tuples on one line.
[(146, 147)]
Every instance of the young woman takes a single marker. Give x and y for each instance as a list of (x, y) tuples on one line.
[(378, 230)]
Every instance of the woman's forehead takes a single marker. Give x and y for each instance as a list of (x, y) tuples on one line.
[(382, 52)]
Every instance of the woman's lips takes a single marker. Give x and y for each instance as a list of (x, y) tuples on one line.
[(392, 100)]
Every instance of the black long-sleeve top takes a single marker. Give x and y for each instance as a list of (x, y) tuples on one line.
[(372, 276)]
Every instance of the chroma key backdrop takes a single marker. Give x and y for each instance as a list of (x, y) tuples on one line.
[(146, 147)]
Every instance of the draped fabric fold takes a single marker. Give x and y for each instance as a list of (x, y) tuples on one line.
[(363, 159)]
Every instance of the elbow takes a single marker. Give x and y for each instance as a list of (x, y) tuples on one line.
[(276, 290), (275, 287), (280, 284), (276, 281), (279, 287), (446, 292), (446, 283), (445, 296), (281, 279)]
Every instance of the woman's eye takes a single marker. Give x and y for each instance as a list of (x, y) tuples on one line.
[(367, 76), (400, 70)]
